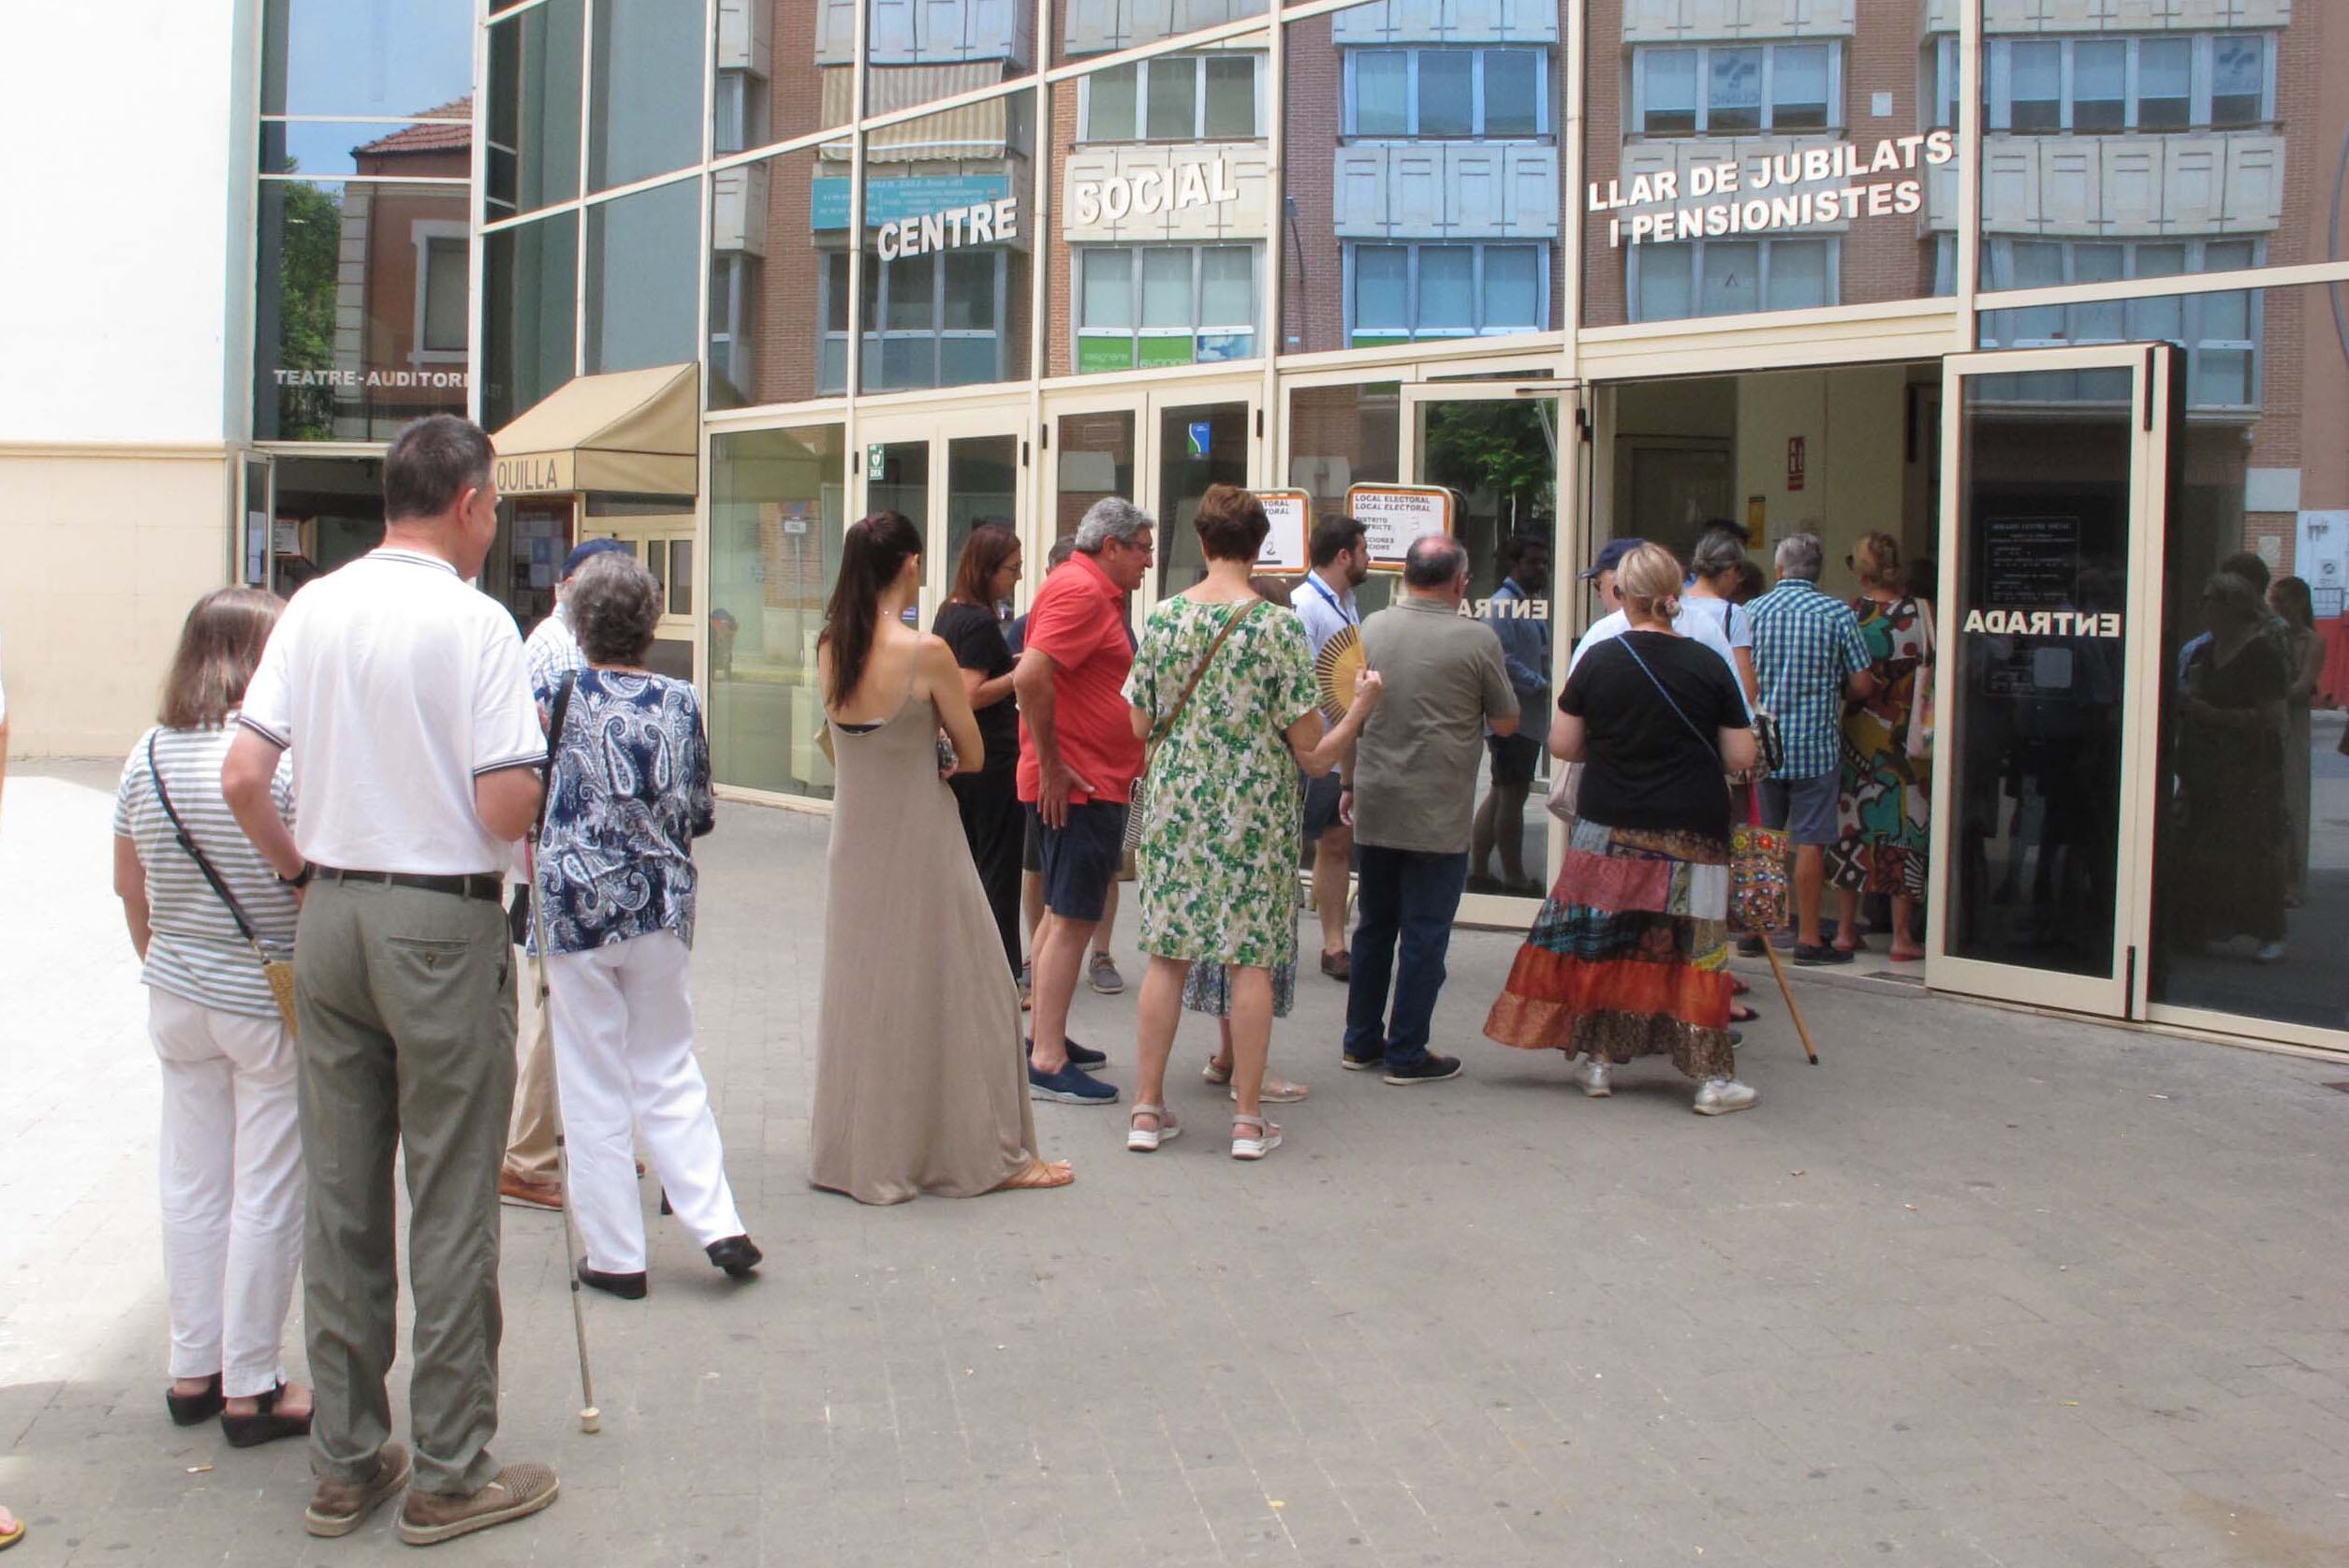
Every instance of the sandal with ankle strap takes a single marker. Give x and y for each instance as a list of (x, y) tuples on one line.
[(1268, 1138), (1145, 1140)]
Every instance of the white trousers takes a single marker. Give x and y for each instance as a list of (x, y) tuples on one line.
[(624, 1035), (232, 1194)]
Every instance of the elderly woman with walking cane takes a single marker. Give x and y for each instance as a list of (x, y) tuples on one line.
[(627, 793)]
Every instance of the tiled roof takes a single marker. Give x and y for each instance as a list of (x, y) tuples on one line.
[(447, 128)]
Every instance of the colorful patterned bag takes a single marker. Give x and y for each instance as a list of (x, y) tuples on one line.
[(1758, 883)]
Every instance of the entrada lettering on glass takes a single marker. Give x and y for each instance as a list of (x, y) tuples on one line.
[(2044, 622), (985, 224), (1147, 191), (1849, 192), (1505, 609)]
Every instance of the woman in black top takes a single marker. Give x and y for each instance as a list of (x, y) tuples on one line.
[(990, 798), (2230, 775), (1629, 955)]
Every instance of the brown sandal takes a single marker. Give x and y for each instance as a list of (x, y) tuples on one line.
[(1036, 1175)]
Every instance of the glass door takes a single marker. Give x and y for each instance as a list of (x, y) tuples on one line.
[(2055, 495), (1496, 448), (949, 473), (1160, 448), (666, 546)]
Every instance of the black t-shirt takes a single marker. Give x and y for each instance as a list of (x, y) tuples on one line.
[(977, 640), (1643, 766)]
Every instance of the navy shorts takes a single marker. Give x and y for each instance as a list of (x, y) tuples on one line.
[(1321, 805), (1804, 807), (1516, 758), (1080, 860)]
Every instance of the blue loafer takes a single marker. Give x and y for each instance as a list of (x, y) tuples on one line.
[(1071, 1085), (1080, 1056)]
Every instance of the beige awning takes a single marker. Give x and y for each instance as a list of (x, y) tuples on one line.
[(973, 131), (632, 431)]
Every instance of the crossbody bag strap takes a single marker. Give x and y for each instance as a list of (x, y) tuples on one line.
[(187, 842), (556, 710), (1184, 699), (1711, 745)]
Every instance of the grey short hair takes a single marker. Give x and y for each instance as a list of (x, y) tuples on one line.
[(1433, 561), (1718, 551), (1112, 517), (1800, 555), (614, 604)]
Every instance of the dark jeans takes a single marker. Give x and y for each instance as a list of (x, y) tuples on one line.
[(1409, 895), (996, 828)]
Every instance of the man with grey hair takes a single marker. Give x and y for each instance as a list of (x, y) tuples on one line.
[(1808, 654), (1411, 795), (1079, 759)]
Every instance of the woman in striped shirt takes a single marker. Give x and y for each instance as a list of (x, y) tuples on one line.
[(231, 1151)]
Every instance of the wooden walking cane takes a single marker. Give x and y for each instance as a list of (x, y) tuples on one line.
[(1801, 1029)]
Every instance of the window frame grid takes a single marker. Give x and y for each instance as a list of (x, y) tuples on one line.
[(1999, 258), (2202, 51), (1134, 332), (1544, 116), (1766, 243), (1837, 122), (863, 332), (1412, 331), (1258, 59)]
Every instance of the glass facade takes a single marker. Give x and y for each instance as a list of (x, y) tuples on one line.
[(363, 242), (1631, 266)]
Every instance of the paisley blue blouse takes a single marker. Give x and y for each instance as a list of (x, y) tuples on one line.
[(627, 794)]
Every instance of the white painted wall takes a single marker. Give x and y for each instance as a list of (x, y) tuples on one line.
[(123, 151)]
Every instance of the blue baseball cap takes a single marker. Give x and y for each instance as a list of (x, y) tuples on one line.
[(1611, 556), (586, 550)]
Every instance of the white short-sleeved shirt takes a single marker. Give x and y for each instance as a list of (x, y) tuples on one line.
[(395, 685)]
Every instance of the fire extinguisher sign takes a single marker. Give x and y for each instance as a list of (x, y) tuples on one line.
[(1794, 462)]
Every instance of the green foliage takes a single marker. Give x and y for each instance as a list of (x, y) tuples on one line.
[(310, 240), (1497, 448)]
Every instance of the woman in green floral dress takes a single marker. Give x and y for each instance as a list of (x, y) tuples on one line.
[(1218, 856)]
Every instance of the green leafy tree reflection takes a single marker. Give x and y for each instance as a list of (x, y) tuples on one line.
[(309, 231), (1505, 450)]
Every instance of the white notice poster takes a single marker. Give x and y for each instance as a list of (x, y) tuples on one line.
[(1394, 515), (1291, 513)]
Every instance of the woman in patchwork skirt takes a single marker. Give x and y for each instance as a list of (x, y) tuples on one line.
[(1629, 955)]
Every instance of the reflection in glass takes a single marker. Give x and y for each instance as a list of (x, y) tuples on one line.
[(982, 487), (949, 208), (644, 114), (778, 314), (1343, 436), (2250, 845), (533, 118), (431, 149), (903, 483), (642, 293), (2043, 528), (361, 59), (361, 305), (1093, 460), (2222, 332), (529, 290), (1198, 447), (777, 509)]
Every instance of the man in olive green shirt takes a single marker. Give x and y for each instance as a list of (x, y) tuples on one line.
[(1412, 798)]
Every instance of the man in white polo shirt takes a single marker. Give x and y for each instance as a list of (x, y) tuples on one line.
[(401, 691)]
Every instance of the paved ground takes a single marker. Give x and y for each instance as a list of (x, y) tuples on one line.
[(1983, 1289)]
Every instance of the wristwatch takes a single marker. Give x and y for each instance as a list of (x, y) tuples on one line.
[(301, 881)]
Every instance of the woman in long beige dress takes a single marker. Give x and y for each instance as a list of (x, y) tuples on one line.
[(920, 1073)]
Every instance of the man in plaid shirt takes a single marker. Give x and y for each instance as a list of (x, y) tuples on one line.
[(1808, 656)]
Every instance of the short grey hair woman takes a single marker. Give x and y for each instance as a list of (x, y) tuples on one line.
[(627, 793), (231, 1145)]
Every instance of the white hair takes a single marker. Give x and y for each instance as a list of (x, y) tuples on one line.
[(1112, 517), (1799, 555)]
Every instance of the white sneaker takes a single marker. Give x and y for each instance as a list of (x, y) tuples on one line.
[(1720, 1096), (1595, 1074)]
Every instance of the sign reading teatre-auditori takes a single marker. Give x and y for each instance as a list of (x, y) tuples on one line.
[(1772, 191)]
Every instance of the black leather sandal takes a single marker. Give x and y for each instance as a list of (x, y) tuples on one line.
[(189, 1409), (264, 1424)]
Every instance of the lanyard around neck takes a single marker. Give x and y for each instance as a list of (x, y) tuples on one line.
[(1331, 599)]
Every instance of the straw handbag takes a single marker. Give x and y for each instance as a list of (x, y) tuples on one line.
[(279, 972)]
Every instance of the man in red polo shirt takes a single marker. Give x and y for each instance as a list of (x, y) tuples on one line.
[(1077, 761)]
